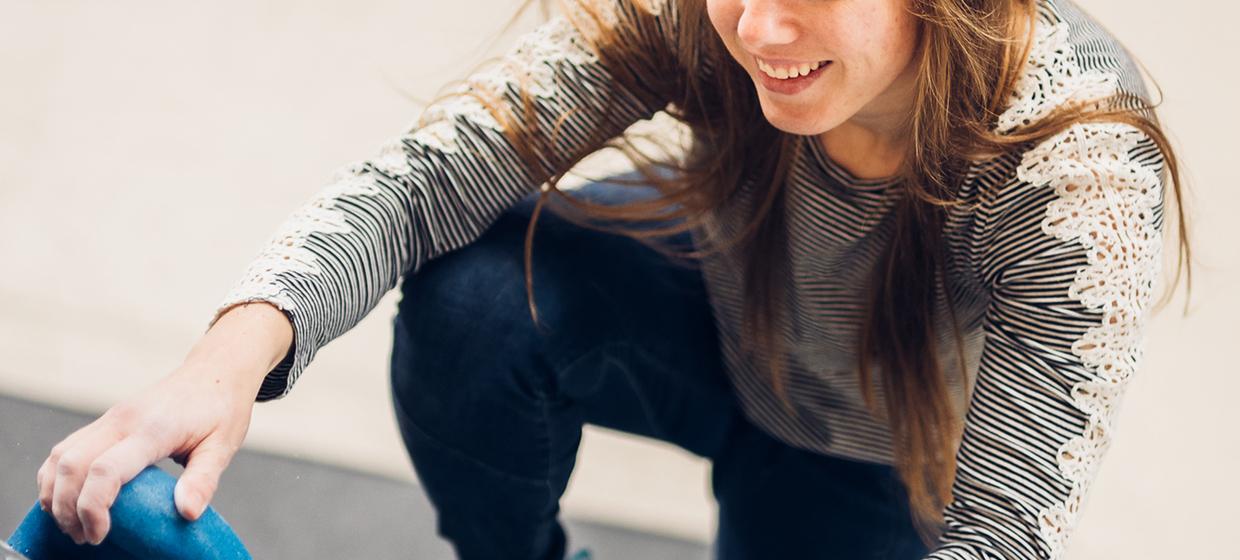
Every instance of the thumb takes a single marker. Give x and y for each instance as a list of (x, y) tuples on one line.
[(198, 483)]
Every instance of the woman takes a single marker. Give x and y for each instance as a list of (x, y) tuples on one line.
[(928, 234)]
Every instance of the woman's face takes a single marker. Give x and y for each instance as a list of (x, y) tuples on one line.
[(870, 45)]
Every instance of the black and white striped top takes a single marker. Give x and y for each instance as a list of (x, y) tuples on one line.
[(1052, 266)]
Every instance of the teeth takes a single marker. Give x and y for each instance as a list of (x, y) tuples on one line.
[(790, 72)]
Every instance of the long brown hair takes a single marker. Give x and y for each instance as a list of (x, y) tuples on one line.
[(970, 56)]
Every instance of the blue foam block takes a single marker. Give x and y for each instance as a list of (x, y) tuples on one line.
[(145, 524)]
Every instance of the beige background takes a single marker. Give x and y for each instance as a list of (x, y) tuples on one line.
[(147, 149)]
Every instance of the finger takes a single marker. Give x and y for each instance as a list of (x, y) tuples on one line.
[(70, 473), (104, 479), (46, 475), (47, 471), (201, 478)]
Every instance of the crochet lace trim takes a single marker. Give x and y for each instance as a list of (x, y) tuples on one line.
[(1051, 78), (1106, 201), (531, 63)]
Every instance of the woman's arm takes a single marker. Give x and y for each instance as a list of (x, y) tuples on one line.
[(435, 188), (1073, 260)]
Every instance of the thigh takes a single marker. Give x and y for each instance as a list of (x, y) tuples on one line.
[(777, 501), (640, 353), (626, 338)]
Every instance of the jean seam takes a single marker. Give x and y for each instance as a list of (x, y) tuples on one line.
[(647, 410), (545, 432)]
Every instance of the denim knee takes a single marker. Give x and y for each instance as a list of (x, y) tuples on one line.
[(466, 311), (468, 366)]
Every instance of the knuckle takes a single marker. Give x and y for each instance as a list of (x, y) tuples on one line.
[(123, 414), (103, 470), (70, 464), (66, 469), (93, 501)]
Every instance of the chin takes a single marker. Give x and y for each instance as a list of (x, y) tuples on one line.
[(798, 128), (804, 123)]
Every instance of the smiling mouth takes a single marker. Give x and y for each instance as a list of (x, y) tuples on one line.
[(777, 71)]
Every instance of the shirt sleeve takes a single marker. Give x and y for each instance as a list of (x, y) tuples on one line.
[(1072, 262), (441, 183)]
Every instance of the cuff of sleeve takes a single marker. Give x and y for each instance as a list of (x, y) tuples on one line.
[(951, 553), (279, 381)]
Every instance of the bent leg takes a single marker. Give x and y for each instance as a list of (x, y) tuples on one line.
[(491, 407), (778, 501)]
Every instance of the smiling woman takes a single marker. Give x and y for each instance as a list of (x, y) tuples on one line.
[(923, 271)]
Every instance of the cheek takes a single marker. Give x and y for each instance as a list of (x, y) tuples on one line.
[(886, 54), (901, 41), (882, 36), (723, 16)]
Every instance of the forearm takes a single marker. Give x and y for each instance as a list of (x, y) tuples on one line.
[(244, 344)]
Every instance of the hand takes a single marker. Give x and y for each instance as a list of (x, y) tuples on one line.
[(195, 415)]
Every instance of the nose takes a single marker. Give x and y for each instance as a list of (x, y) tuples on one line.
[(765, 25)]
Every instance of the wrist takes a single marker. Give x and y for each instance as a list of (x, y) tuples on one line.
[(245, 342)]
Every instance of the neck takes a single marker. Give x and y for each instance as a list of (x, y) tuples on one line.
[(872, 143), (865, 152)]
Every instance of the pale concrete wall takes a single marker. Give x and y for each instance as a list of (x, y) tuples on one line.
[(146, 150)]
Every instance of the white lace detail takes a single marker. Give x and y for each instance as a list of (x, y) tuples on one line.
[(1106, 201), (532, 63), (1051, 78), (606, 9), (285, 250)]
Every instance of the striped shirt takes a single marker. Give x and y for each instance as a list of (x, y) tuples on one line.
[(1052, 262)]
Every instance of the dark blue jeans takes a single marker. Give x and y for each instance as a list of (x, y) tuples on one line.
[(491, 407)]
